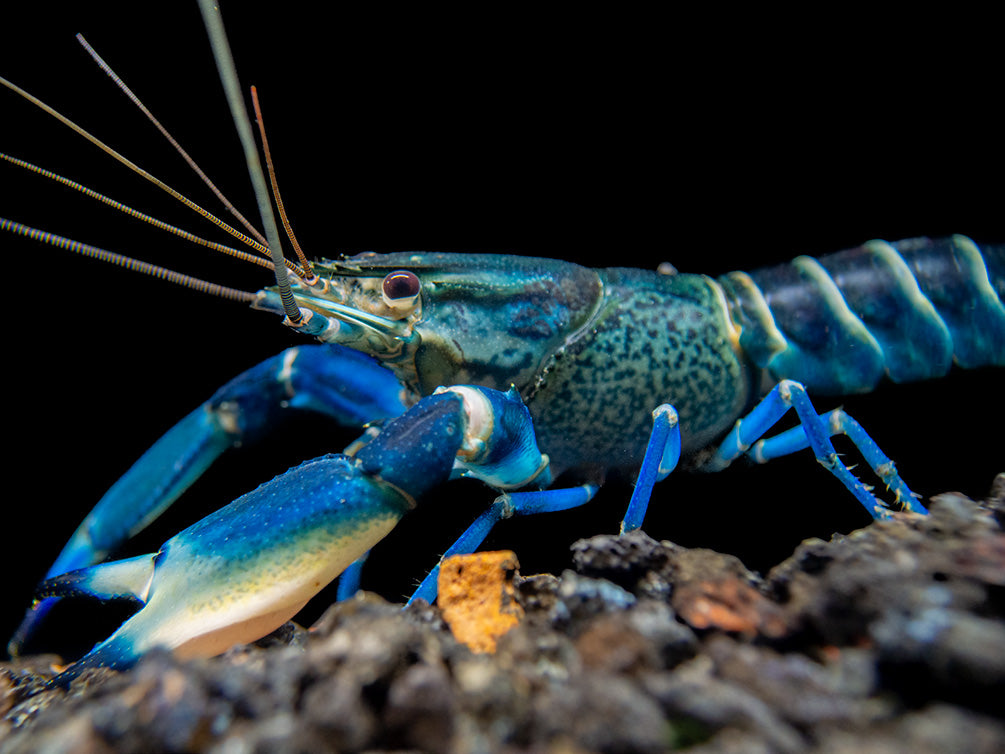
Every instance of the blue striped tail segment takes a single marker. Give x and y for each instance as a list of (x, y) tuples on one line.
[(907, 310)]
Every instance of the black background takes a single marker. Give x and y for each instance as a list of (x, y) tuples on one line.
[(605, 141)]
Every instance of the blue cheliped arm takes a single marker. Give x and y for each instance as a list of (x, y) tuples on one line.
[(245, 569), (346, 385)]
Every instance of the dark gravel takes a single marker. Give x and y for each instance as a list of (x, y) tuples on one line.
[(889, 639)]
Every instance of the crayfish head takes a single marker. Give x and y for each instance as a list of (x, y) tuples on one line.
[(444, 319)]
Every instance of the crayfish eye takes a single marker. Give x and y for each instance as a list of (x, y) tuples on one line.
[(400, 290)]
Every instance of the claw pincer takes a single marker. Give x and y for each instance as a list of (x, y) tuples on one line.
[(247, 568)]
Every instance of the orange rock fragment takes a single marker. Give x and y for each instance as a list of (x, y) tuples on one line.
[(477, 598), (730, 605)]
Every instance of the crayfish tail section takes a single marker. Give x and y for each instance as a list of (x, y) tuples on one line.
[(994, 258), (959, 279), (906, 310)]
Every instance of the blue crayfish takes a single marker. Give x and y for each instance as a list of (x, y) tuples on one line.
[(590, 353)]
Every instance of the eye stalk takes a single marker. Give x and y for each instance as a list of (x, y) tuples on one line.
[(400, 290)]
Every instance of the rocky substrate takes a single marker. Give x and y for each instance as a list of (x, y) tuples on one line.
[(889, 639)]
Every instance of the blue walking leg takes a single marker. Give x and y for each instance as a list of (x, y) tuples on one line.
[(348, 386), (505, 506), (814, 432), (349, 579), (662, 456), (839, 422)]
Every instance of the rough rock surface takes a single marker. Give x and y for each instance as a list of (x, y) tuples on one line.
[(890, 639)]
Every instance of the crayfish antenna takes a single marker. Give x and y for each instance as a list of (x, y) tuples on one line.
[(228, 77), (178, 196), (135, 265), (304, 261), (306, 271), (171, 140)]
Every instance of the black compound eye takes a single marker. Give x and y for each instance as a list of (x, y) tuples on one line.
[(401, 284), (401, 289)]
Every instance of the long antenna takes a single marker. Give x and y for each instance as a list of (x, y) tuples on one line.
[(171, 140), (244, 256), (135, 265), (228, 77), (305, 263), (133, 166)]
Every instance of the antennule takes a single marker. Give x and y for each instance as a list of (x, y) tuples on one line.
[(311, 278)]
